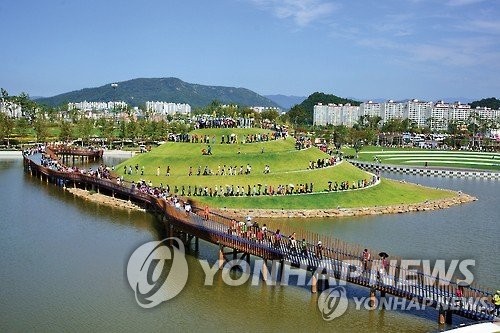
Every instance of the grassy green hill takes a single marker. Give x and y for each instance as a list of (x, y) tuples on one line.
[(287, 166)]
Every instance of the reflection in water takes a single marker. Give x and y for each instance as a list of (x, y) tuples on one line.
[(64, 260)]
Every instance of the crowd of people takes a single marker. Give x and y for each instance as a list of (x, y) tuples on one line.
[(324, 162), (229, 138), (216, 122), (241, 191), (346, 185), (224, 170), (303, 142)]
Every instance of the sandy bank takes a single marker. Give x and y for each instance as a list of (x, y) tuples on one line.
[(460, 198), (11, 154), (118, 153), (104, 199)]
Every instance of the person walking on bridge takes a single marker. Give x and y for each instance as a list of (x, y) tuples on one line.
[(496, 302), (319, 250), (366, 256), (206, 212)]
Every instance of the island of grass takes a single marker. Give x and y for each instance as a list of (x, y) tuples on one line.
[(288, 166)]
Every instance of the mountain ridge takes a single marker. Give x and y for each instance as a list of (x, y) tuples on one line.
[(168, 89), (286, 101)]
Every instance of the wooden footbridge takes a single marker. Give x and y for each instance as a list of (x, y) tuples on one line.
[(66, 153), (335, 259)]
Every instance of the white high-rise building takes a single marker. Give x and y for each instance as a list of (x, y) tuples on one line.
[(436, 115), (167, 108), (418, 111), (459, 112), (97, 106), (11, 109), (335, 114), (350, 114), (261, 109), (371, 109), (487, 113), (440, 112), (391, 110)]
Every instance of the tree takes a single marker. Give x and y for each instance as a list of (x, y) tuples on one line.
[(340, 133), (133, 130), (491, 103), (297, 116), (65, 131), (368, 121), (394, 125), (22, 126), (123, 130), (8, 127), (271, 115), (108, 130), (84, 128), (41, 128), (358, 144), (409, 125)]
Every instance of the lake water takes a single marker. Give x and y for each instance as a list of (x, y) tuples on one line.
[(63, 265)]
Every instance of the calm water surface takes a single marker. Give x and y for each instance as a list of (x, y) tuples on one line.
[(63, 265)]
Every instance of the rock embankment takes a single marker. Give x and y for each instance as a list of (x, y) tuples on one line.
[(238, 213), (460, 198), (104, 199)]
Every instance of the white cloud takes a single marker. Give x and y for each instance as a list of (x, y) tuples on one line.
[(302, 12), (462, 2), (483, 26)]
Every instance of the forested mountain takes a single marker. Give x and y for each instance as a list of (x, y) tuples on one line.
[(303, 113), (491, 103), (137, 91)]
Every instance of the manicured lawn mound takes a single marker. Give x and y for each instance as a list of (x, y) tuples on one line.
[(288, 166), (433, 158), (388, 192), (280, 155)]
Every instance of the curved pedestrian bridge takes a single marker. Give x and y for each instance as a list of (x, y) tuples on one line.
[(333, 259)]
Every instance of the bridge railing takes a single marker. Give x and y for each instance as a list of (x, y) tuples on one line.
[(333, 255), (65, 150)]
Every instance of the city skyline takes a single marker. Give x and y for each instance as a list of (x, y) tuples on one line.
[(390, 50)]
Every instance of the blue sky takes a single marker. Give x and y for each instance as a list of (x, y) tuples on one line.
[(355, 48)]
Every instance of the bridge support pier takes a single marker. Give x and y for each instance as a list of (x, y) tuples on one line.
[(373, 299), (445, 316), (264, 270), (221, 257), (441, 318), (170, 233), (324, 282), (448, 315), (382, 299), (196, 244), (314, 283)]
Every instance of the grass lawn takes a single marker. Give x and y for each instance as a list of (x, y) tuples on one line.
[(388, 192), (287, 166), (434, 158)]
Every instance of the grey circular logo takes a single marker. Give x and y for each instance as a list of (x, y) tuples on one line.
[(152, 277), (332, 303)]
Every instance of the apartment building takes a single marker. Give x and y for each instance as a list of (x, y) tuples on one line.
[(168, 108)]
